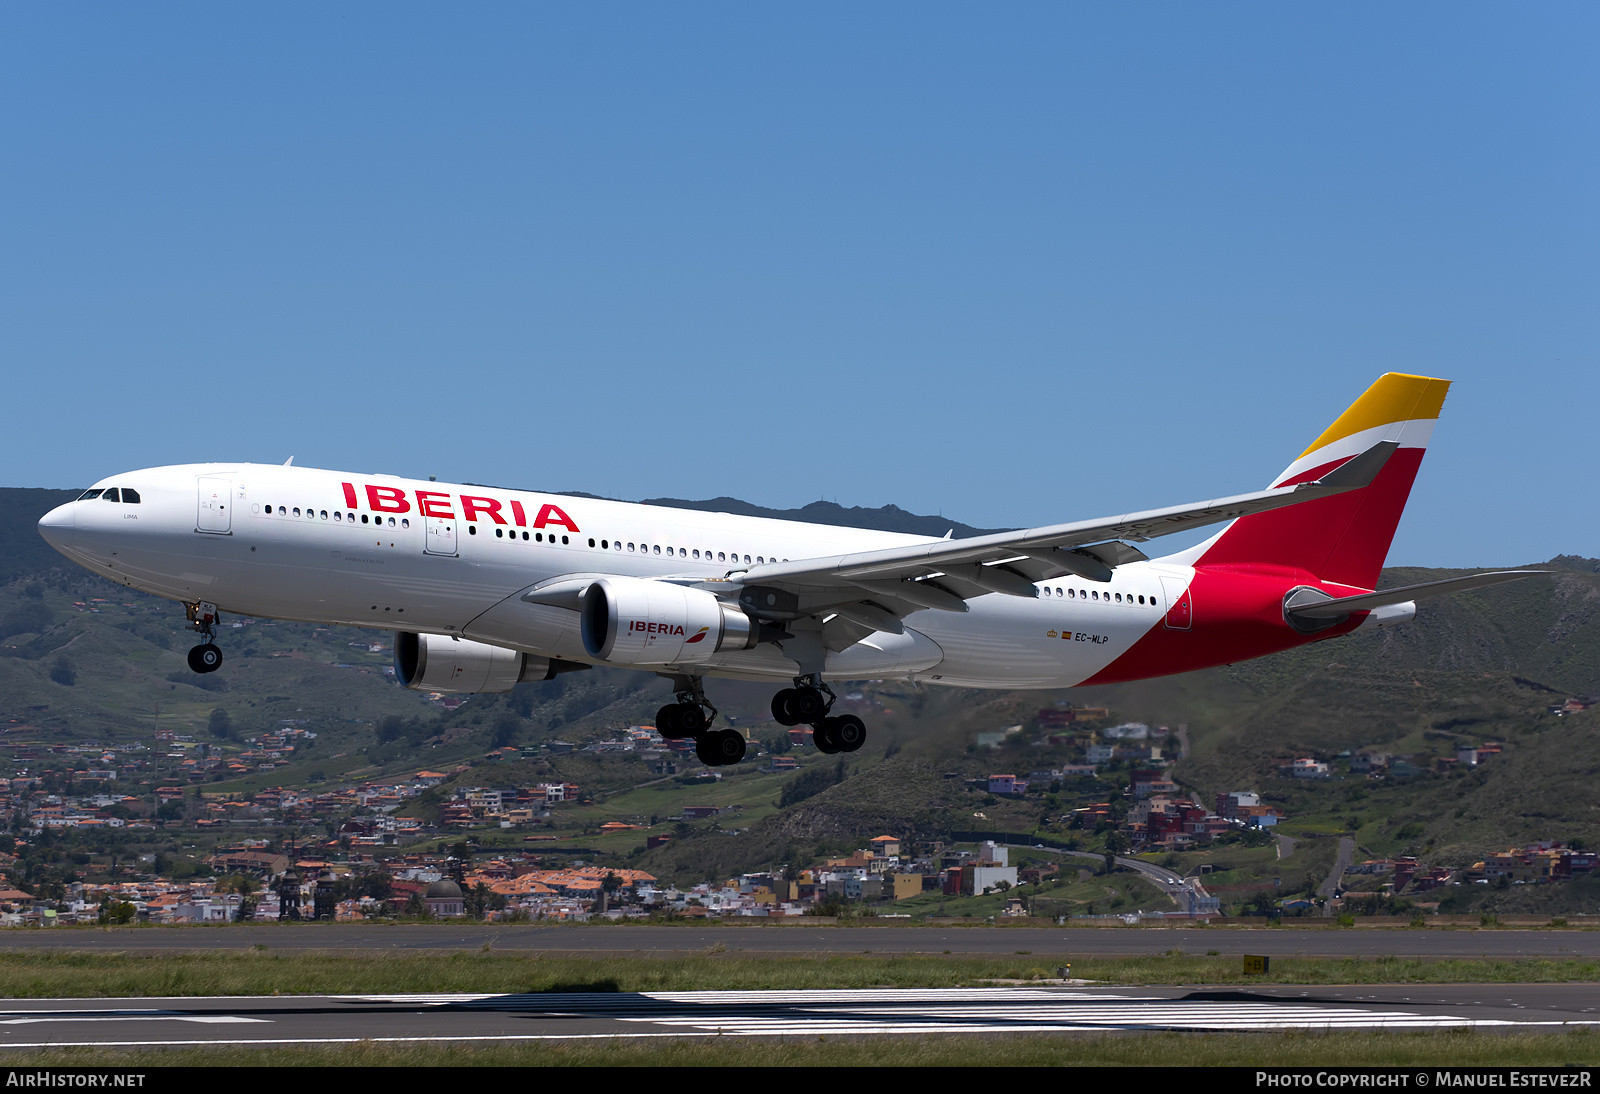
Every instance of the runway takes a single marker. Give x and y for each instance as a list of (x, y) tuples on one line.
[(586, 939), (314, 1020)]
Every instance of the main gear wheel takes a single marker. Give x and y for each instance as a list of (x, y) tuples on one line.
[(720, 747)]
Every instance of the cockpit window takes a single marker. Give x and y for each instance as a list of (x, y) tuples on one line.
[(87, 494), (111, 495), (130, 496)]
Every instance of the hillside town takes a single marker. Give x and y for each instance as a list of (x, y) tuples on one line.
[(431, 844)]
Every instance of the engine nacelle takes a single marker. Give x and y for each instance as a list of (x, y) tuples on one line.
[(436, 662), (633, 621)]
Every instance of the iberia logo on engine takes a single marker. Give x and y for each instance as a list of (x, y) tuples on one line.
[(639, 625)]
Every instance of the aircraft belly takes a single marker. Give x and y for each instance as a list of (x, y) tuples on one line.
[(765, 662), (883, 654)]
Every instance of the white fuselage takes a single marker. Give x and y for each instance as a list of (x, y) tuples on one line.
[(441, 558)]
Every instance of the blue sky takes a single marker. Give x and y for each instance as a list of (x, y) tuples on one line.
[(1016, 264)]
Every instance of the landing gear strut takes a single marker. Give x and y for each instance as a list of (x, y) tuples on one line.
[(206, 657), (808, 702), (691, 717)]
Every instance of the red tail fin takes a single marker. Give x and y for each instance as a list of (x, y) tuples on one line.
[(1342, 539)]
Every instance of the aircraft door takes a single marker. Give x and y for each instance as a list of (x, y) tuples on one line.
[(216, 506), (439, 536)]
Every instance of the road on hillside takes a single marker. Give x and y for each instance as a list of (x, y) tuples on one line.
[(597, 939)]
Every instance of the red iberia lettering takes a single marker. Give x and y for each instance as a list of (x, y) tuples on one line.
[(349, 495), (471, 507), (387, 499), (431, 503), (518, 514), (550, 514)]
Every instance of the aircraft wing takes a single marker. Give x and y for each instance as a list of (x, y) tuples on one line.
[(873, 589)]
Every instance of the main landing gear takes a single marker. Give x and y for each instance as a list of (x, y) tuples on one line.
[(808, 702), (206, 657), (691, 717)]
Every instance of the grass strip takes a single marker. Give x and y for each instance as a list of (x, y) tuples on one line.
[(258, 971), (1453, 1048)]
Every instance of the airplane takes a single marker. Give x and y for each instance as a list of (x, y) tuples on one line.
[(485, 588)]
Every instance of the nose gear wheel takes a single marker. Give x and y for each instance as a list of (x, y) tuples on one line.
[(206, 657)]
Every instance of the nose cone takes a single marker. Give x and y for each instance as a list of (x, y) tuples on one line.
[(58, 525)]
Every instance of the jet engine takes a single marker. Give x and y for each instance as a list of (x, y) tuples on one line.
[(436, 662), (633, 621)]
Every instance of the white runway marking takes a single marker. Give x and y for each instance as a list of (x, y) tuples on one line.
[(205, 1019)]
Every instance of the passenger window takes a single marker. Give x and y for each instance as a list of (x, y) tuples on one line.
[(130, 496), (337, 517), (323, 514), (630, 548), (111, 495), (391, 522), (747, 558), (363, 518), (658, 549), (498, 534), (721, 557), (564, 539), (297, 510)]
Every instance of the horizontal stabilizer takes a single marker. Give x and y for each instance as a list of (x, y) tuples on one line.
[(1333, 609)]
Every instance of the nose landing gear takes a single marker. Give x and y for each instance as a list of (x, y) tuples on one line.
[(808, 702), (206, 657), (691, 717)]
